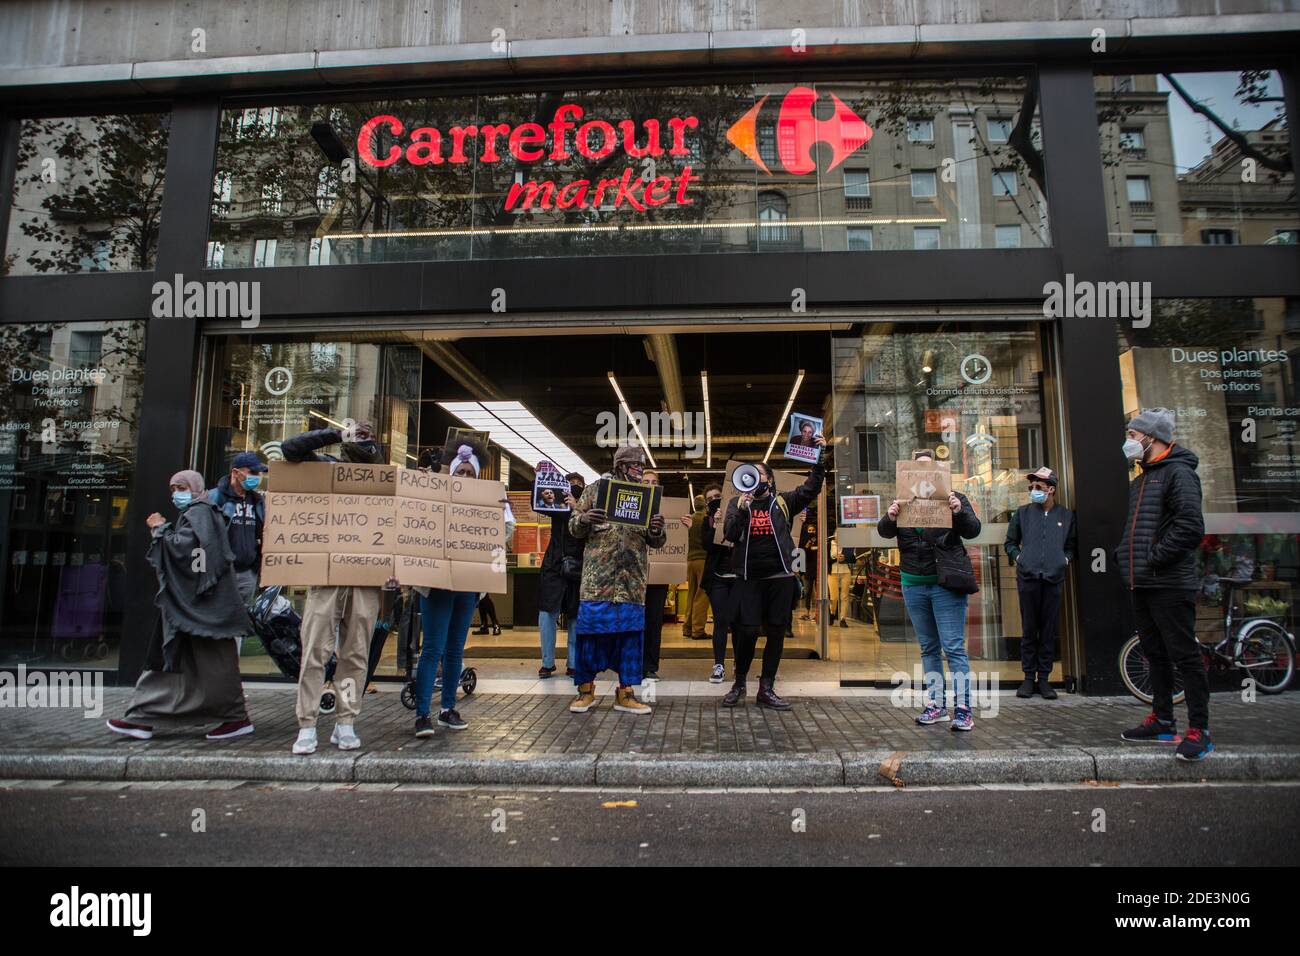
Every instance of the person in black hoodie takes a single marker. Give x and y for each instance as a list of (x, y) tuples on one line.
[(558, 589), (1157, 558), (938, 613), (237, 498), (758, 526), (1041, 541), (350, 610)]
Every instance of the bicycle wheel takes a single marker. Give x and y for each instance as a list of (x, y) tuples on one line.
[(1265, 653), (1135, 671)]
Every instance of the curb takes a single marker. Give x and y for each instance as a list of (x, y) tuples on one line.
[(820, 769)]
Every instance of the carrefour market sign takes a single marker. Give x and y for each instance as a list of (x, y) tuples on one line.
[(530, 142)]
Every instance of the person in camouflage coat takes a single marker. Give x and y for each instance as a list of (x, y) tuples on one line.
[(610, 627)]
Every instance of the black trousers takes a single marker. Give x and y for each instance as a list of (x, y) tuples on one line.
[(655, 595), (1040, 611), (764, 604), (487, 611), (720, 601), (1166, 626)]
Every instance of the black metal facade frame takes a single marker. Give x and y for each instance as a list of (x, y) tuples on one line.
[(1090, 384)]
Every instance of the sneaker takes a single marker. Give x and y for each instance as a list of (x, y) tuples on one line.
[(496, 630), (128, 729), (716, 676), (545, 673), (344, 737), (843, 623), (1195, 745), (327, 703), (934, 714), (650, 677), (585, 700), (306, 742), (625, 701), (964, 720), (1026, 688), (451, 718), (1152, 730), (423, 727), (231, 728)]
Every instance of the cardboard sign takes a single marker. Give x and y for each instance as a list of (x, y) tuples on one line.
[(424, 572), (474, 576), (364, 479), (298, 523), (629, 502), (475, 533), (923, 487), (549, 483), (429, 485), (305, 477), (859, 509), (477, 491), (359, 570), (799, 442), (294, 569), (668, 564), (420, 526), (363, 524)]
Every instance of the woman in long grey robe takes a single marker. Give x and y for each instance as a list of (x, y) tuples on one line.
[(192, 669)]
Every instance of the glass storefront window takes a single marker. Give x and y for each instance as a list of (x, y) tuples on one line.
[(70, 406), (87, 196), (975, 395), (1197, 159), (1226, 367), (631, 171)]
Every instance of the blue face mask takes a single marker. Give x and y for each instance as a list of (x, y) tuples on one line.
[(182, 499), (1037, 497), (252, 481)]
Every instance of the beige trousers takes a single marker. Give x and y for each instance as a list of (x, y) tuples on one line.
[(351, 612), (697, 600)]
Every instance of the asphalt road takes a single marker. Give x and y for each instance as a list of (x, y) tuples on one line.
[(279, 825)]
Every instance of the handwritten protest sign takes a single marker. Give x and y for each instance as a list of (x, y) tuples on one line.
[(923, 487)]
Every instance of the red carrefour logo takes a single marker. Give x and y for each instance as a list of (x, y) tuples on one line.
[(797, 131)]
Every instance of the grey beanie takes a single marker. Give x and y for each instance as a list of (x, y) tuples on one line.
[(1156, 422)]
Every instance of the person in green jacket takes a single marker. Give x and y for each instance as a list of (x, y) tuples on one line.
[(697, 598)]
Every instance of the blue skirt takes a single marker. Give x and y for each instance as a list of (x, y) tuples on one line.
[(606, 637)]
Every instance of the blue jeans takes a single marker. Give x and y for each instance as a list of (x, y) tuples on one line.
[(939, 616), (445, 617), (546, 625)]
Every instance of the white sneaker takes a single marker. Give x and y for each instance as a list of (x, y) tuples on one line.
[(344, 737), (306, 742), (716, 676)]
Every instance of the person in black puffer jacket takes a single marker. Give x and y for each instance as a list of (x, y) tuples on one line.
[(557, 594), (938, 613), (1157, 560)]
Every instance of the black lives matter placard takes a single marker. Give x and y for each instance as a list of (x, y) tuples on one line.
[(627, 502)]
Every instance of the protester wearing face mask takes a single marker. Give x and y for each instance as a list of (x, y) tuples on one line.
[(758, 525), (1157, 560), (237, 497), (445, 616), (1041, 542), (610, 629), (561, 574), (343, 614), (938, 613), (192, 667)]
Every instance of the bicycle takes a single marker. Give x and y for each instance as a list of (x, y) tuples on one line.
[(1259, 646)]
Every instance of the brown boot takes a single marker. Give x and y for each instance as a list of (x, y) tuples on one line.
[(735, 695), (625, 700), (585, 700), (767, 696)]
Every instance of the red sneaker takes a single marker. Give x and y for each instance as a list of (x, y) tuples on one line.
[(232, 728), (128, 729)]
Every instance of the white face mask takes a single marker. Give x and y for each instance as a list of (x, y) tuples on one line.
[(1133, 449)]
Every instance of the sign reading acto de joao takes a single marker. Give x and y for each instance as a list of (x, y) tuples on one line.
[(530, 142)]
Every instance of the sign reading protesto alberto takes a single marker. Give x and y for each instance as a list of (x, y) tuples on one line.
[(337, 523)]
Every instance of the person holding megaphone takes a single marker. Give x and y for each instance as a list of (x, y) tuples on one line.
[(758, 526)]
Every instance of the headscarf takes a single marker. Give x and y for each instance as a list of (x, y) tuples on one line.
[(190, 480), (466, 453)]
